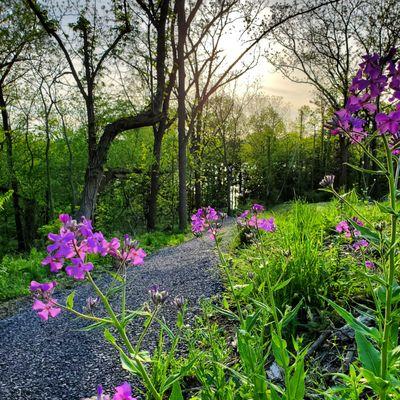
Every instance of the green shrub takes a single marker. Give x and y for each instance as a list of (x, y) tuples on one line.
[(16, 272)]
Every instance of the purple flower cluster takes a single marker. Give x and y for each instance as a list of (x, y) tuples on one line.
[(206, 219), (350, 231), (377, 76), (70, 248), (44, 303), (122, 392), (251, 219)]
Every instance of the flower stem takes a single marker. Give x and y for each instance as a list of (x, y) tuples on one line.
[(228, 276), (389, 274)]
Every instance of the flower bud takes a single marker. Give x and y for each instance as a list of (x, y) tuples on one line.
[(178, 302), (158, 297), (327, 181)]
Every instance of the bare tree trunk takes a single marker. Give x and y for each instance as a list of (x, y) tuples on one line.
[(182, 140), (13, 179), (197, 162), (70, 162), (151, 215), (49, 191)]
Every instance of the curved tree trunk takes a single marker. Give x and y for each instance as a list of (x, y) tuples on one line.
[(13, 179)]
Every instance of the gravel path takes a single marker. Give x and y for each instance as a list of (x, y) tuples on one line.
[(55, 361)]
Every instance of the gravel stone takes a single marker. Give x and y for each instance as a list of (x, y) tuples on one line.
[(55, 360)]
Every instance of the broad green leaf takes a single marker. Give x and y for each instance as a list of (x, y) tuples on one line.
[(262, 305), (386, 209), (176, 393), (128, 364), (353, 322), (244, 290), (368, 354), (375, 382), (116, 276), (70, 300), (274, 394), (366, 233), (279, 349), (296, 383)]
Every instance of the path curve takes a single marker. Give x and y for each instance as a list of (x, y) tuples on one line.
[(55, 361)]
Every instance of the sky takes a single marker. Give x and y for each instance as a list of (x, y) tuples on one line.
[(270, 81), (274, 83)]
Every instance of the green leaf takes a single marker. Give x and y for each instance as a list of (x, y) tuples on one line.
[(96, 325), (109, 337), (128, 364), (368, 354), (70, 300), (279, 349), (366, 233), (375, 382), (176, 393), (251, 320), (264, 306), (227, 313), (296, 382), (116, 276), (364, 170), (353, 322), (134, 314), (244, 290), (290, 315), (274, 394), (386, 209), (282, 284)]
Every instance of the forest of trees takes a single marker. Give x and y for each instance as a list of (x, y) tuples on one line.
[(134, 112)]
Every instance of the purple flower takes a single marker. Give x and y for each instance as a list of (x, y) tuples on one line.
[(100, 395), (85, 227), (65, 218), (62, 246), (46, 310), (123, 392), (345, 122), (78, 269), (42, 287), (206, 219), (357, 103), (178, 302), (343, 227), (56, 264), (257, 208), (267, 225), (369, 264), (388, 123), (360, 244), (136, 256), (357, 221)]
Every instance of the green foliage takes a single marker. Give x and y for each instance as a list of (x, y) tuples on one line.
[(152, 241), (17, 272)]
